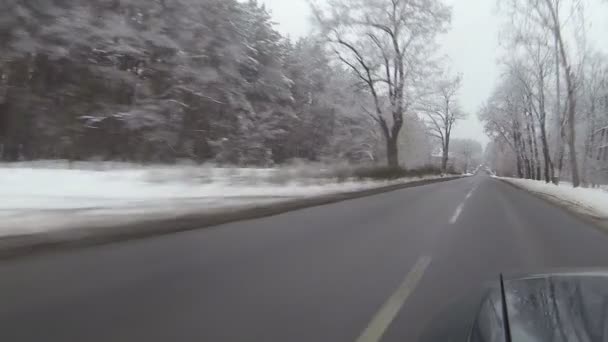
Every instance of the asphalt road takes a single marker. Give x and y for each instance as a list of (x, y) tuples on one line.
[(319, 274)]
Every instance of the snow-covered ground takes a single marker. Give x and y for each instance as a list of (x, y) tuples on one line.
[(38, 197), (590, 201)]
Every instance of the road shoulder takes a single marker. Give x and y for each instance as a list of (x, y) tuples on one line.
[(21, 245), (574, 208)]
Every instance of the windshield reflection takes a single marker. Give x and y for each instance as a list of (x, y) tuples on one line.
[(548, 308)]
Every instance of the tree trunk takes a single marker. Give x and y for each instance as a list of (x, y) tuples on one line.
[(576, 182), (391, 137), (392, 152), (444, 162), (531, 139), (521, 165), (585, 172), (542, 122), (560, 153), (520, 173), (446, 155), (599, 150), (527, 169), (571, 103), (546, 154), (537, 171), (549, 171), (560, 164), (524, 155), (560, 156)]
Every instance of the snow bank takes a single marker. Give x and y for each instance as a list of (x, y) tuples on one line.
[(38, 197), (591, 201)]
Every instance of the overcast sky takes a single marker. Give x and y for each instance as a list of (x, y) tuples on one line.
[(471, 44)]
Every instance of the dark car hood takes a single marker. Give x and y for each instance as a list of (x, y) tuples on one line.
[(566, 306)]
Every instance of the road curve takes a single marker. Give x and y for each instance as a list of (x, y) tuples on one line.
[(389, 267)]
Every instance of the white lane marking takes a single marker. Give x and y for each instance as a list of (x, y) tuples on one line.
[(471, 193), (461, 206), (457, 213), (387, 313)]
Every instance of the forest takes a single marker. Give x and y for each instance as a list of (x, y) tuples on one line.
[(548, 114), (214, 81)]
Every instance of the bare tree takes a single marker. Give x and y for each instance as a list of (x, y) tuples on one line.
[(469, 151), (387, 44), (532, 68), (442, 112), (594, 105), (546, 16), (502, 116)]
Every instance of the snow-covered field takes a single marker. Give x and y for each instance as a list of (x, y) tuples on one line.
[(38, 197), (591, 201)]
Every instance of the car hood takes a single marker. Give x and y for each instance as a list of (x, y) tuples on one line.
[(564, 306)]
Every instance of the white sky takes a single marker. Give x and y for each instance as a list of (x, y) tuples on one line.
[(471, 44)]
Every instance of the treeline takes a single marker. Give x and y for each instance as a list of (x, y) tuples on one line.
[(157, 81), (548, 115)]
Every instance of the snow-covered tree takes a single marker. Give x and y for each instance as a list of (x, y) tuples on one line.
[(545, 52), (388, 45), (138, 79), (442, 112), (563, 20), (207, 80), (468, 154), (593, 104)]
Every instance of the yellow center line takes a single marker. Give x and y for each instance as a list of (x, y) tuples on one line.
[(387, 313)]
